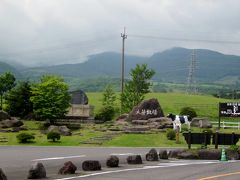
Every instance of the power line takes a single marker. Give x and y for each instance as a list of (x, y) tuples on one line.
[(184, 39)]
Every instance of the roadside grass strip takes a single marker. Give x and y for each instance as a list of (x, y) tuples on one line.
[(161, 165)]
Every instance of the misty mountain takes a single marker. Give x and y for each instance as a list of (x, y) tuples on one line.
[(106, 64), (171, 65), (4, 67)]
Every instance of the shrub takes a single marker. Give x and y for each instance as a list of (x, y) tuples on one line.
[(53, 136), (25, 137), (171, 134), (105, 114), (189, 112)]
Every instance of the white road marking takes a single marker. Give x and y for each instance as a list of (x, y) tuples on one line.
[(161, 165), (123, 154), (57, 158)]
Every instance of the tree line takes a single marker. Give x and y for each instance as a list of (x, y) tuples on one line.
[(49, 98)]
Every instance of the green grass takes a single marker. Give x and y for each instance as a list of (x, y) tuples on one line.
[(205, 105)]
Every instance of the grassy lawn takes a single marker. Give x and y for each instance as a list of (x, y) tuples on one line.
[(205, 106)]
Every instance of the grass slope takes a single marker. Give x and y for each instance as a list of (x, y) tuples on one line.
[(205, 106)]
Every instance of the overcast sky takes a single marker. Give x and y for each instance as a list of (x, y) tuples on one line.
[(39, 32)]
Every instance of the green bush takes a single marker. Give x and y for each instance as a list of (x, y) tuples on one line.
[(54, 136), (105, 114), (25, 137), (171, 134), (189, 112)]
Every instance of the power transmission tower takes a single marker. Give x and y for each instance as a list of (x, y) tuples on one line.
[(191, 82), (124, 36)]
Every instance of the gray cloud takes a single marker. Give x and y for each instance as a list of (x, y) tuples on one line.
[(67, 31)]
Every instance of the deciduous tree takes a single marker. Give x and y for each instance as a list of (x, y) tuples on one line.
[(7, 82), (50, 98), (137, 87)]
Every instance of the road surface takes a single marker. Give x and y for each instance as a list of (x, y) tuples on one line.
[(16, 161)]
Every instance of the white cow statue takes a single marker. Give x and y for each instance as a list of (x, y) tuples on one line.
[(179, 120)]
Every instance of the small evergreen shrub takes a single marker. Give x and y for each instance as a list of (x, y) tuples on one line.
[(105, 114), (189, 112), (171, 134), (25, 137), (54, 136)]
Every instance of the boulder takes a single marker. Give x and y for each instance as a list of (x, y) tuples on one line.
[(232, 155), (146, 110), (152, 155), (63, 130), (160, 123), (68, 168), (136, 129), (13, 122), (209, 154), (163, 154), (122, 117), (174, 153), (140, 122), (4, 115), (37, 171), (188, 155), (91, 166), (134, 159), (201, 123), (112, 161), (2, 175)]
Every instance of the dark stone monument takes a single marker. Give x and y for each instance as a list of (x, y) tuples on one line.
[(79, 97), (146, 110)]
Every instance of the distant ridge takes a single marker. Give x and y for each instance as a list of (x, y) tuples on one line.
[(170, 65)]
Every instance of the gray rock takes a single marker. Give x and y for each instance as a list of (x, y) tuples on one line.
[(112, 161), (209, 154), (68, 168), (140, 122), (163, 154), (174, 153), (13, 122), (160, 123), (91, 166), (232, 155), (188, 155), (152, 155), (2, 175), (201, 123), (63, 130), (4, 115), (37, 171), (134, 159), (146, 110)]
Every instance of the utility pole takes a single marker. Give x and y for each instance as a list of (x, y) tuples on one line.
[(191, 82), (124, 36)]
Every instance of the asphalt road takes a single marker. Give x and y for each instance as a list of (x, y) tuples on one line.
[(15, 162)]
